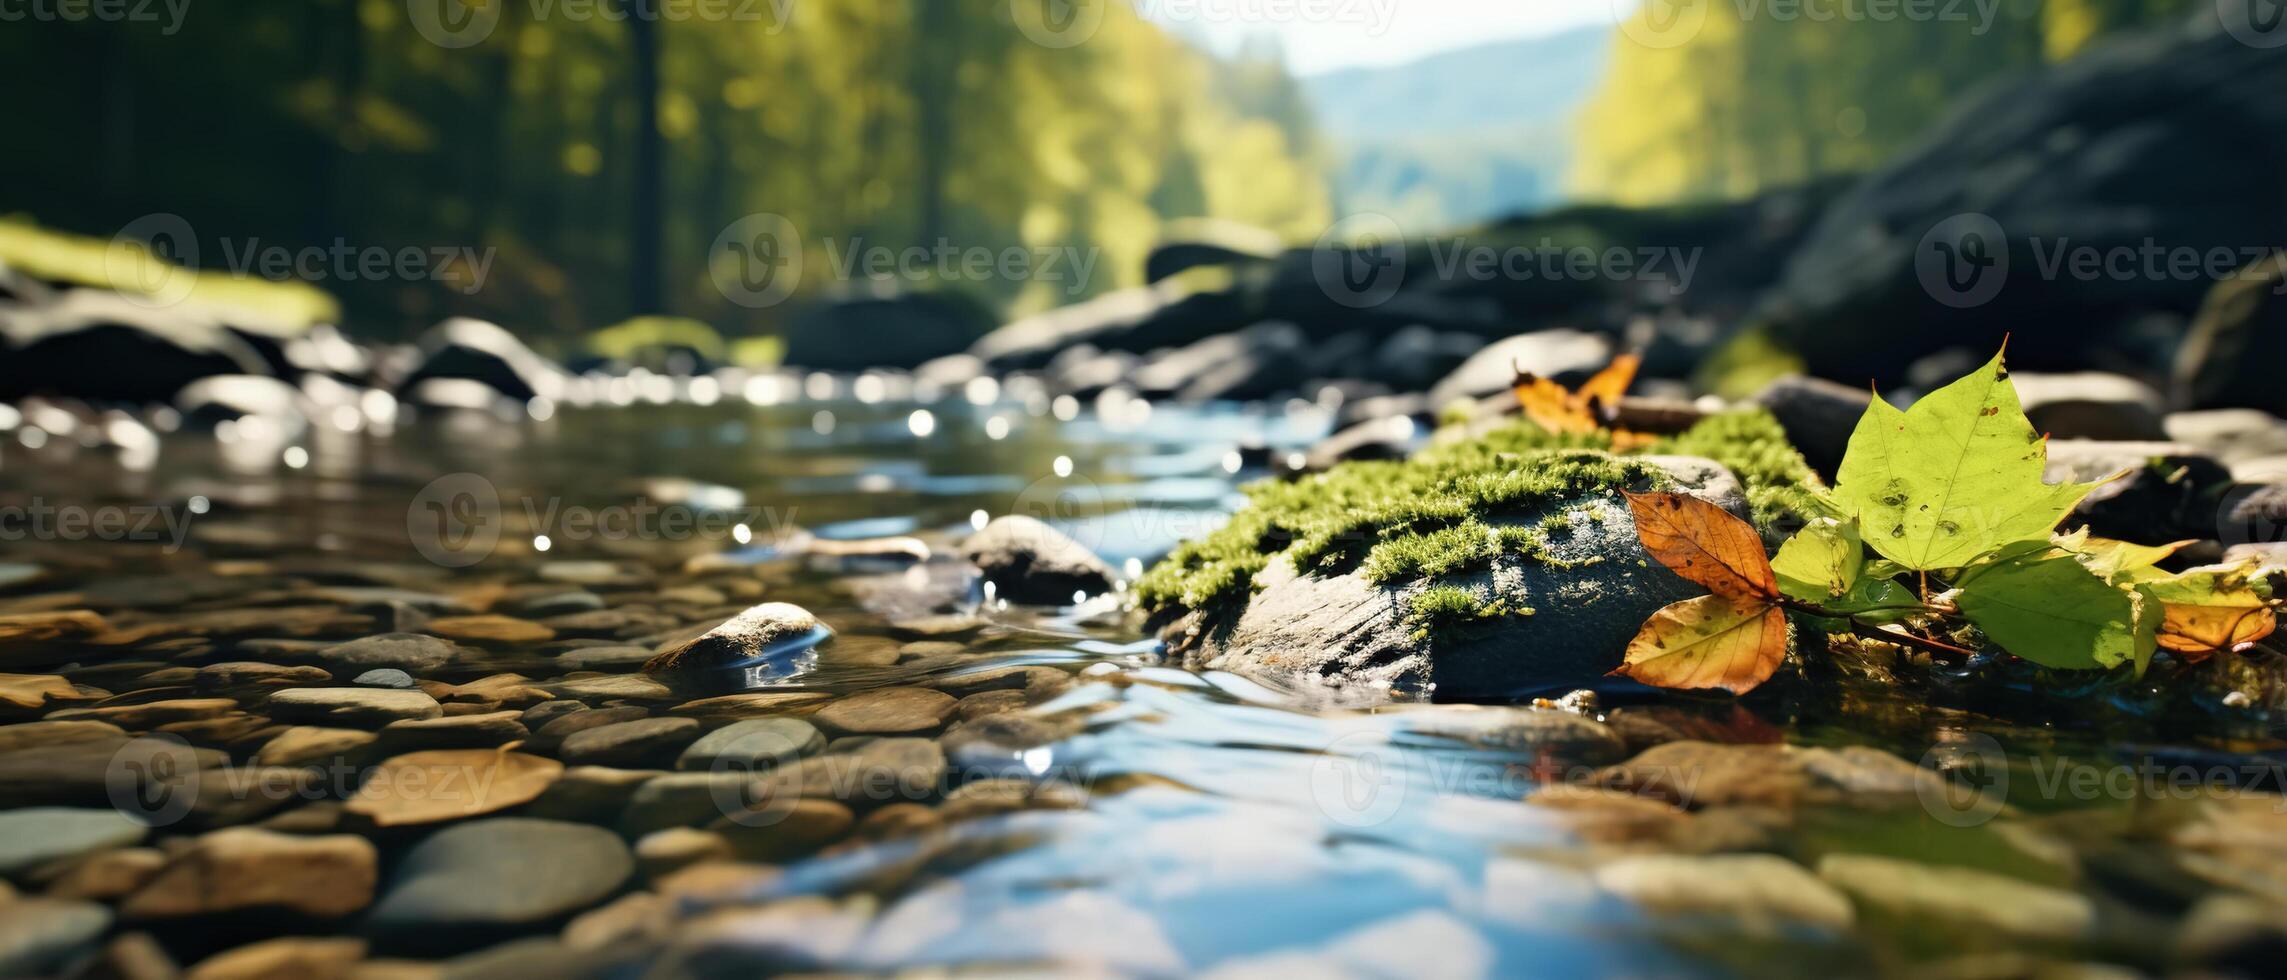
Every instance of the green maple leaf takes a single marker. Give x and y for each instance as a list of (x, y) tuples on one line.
[(1953, 477), (1821, 562), (2046, 607)]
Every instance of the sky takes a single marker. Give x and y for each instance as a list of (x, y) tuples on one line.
[(1325, 35)]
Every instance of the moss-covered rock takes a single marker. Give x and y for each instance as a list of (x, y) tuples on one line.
[(1491, 566)]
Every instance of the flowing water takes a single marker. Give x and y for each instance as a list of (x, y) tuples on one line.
[(1095, 808)]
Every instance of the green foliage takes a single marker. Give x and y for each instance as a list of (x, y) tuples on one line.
[(2046, 607), (1954, 477), (1821, 562)]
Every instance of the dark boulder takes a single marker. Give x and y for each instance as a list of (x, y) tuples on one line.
[(104, 346), (467, 349), (893, 330), (1027, 561), (2170, 138), (1818, 417), (2231, 356), (2168, 492)]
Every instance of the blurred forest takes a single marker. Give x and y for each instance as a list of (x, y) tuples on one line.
[(1755, 103), (602, 155)]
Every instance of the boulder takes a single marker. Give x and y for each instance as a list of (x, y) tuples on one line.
[(1569, 356), (1187, 243), (2090, 405), (2231, 435), (1818, 416), (2236, 339), (1252, 363), (2170, 491), (230, 397), (103, 346), (900, 329), (1028, 561), (466, 349), (2161, 138)]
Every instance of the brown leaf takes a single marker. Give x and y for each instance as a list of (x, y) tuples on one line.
[(1609, 385), (1548, 405), (451, 784), (2200, 631), (1713, 641), (1704, 544)]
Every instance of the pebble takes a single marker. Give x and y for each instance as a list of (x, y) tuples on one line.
[(684, 799), (238, 674), (782, 829), (632, 687), (1756, 893), (480, 882), (884, 770), (53, 733), (558, 604), (385, 677), (39, 935), (988, 703), (634, 918), (278, 959), (491, 630), (1028, 561), (305, 745), (411, 652), (452, 732), (351, 706), (662, 852), (152, 714), (551, 736), (109, 876), (754, 745), (645, 743), (759, 632), (243, 868), (734, 707), (611, 658), (37, 836), (886, 711), (1948, 898)]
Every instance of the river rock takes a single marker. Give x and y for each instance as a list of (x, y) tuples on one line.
[(2090, 405), (752, 746), (886, 711), (1818, 416), (1028, 561), (647, 743), (277, 959), (2008, 910), (37, 836), (784, 829), (2170, 492), (890, 329), (109, 876), (451, 732), (40, 935), (242, 869), (551, 735), (2231, 435), (763, 631), (489, 879), (1755, 893), (474, 350), (353, 707), (881, 771), (1568, 356), (313, 746), (2233, 340), (413, 653), (97, 344)]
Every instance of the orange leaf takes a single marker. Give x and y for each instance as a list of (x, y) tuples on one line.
[(2200, 631), (1610, 384), (1704, 544), (1548, 405), (1713, 641)]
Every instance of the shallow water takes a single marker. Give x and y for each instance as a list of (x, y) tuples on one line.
[(1126, 815)]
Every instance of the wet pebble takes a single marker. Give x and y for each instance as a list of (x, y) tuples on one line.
[(32, 837), (246, 674), (387, 677), (605, 658), (663, 852), (886, 711), (491, 630), (305, 745), (1755, 893), (152, 714), (351, 707), (642, 744), (242, 869), (452, 732), (274, 959), (754, 745), (109, 876), (413, 653), (779, 829), (38, 935), (483, 881), (1028, 561), (744, 637)]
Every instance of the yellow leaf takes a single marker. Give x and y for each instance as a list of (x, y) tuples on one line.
[(1710, 642)]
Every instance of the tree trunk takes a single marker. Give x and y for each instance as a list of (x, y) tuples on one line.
[(646, 211)]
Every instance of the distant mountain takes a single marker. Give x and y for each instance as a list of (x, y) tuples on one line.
[(1461, 136)]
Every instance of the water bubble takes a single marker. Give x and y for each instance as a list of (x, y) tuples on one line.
[(763, 390), (1232, 461), (540, 409), (818, 386), (706, 391), (870, 388)]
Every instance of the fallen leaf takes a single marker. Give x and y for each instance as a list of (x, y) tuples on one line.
[(1713, 641), (2206, 611), (1704, 544), (1821, 562), (2050, 609), (451, 784), (1547, 404)]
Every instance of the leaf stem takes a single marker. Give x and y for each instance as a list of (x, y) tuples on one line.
[(1873, 632)]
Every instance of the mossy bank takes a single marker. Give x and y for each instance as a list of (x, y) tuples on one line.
[(1412, 574)]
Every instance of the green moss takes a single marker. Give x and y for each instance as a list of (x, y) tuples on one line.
[(1443, 606), (1439, 514)]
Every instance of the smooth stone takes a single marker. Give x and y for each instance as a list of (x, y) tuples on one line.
[(631, 687), (243, 869), (133, 956), (662, 852), (452, 732), (758, 633), (351, 706), (558, 604), (1760, 894), (151, 714), (607, 659), (629, 920), (685, 799), (590, 794), (2090, 405), (735, 707), (551, 736), (785, 829), (279, 959), (645, 743), (979, 705), (305, 745), (1027, 561), (79, 773), (886, 711), (491, 630), (234, 675), (485, 880), (414, 653), (588, 573), (1548, 735), (109, 876), (38, 935), (881, 771), (1948, 898), (36, 836), (985, 797), (752, 746), (2231, 435), (388, 678), (52, 733)]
